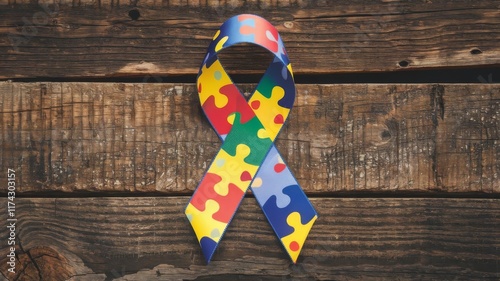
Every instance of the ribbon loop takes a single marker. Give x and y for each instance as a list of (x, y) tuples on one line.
[(248, 157)]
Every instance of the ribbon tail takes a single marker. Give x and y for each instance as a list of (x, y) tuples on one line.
[(217, 197), (202, 228), (284, 203), (209, 212), (294, 242)]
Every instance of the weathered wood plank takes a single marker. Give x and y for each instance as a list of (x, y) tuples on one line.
[(154, 138), (150, 239), (100, 39)]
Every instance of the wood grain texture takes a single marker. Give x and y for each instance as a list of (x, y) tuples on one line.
[(110, 137), (360, 239), (88, 38)]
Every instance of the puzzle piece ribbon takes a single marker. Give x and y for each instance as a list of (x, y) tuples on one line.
[(248, 157)]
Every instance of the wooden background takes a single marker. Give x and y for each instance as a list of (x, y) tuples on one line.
[(394, 136)]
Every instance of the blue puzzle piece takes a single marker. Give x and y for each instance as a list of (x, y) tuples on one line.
[(277, 216), (208, 247), (270, 182), (275, 74)]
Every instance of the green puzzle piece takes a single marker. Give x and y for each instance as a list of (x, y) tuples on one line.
[(247, 134)]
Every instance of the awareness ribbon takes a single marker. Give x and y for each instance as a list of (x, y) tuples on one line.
[(248, 157)]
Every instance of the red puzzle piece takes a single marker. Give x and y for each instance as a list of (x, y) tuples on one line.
[(236, 103), (227, 203), (260, 37)]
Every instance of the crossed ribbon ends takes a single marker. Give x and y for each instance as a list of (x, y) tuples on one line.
[(248, 156)]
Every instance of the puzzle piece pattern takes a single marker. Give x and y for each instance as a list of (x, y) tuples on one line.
[(298, 203), (271, 179), (220, 98), (248, 156), (294, 242), (199, 218), (259, 31)]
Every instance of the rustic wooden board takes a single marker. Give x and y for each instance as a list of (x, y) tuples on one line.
[(88, 38), (150, 239), (154, 138)]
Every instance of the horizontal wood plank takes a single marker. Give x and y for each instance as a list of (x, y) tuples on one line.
[(150, 239), (90, 38), (120, 137)]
